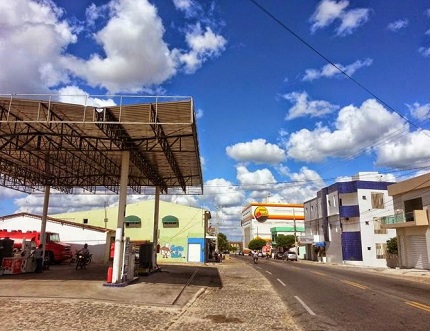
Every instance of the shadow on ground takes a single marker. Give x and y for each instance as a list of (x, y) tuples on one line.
[(197, 275)]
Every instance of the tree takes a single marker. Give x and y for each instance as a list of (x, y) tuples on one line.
[(223, 244), (286, 241), (257, 244), (392, 246)]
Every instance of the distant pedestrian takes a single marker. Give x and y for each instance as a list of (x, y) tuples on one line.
[(38, 255)]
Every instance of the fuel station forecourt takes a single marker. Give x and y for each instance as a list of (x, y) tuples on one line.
[(126, 148)]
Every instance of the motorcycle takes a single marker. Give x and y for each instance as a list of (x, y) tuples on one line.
[(81, 261)]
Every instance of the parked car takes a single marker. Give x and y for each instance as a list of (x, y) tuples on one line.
[(290, 256), (279, 255)]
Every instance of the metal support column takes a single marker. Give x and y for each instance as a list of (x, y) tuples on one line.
[(119, 236), (155, 233), (44, 217)]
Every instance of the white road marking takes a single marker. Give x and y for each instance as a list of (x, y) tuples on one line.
[(281, 281), (305, 306), (268, 272)]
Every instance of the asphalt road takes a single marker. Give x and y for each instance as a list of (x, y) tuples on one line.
[(325, 297)]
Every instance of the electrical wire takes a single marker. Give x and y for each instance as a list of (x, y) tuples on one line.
[(320, 54)]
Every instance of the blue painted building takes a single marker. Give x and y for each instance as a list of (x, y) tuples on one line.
[(344, 221)]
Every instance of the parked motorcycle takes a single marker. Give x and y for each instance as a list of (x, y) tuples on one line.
[(81, 261)]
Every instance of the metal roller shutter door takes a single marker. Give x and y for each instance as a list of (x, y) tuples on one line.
[(418, 252)]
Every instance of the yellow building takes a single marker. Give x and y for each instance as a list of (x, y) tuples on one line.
[(181, 228)]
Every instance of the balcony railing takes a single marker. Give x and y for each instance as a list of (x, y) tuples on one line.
[(413, 218)]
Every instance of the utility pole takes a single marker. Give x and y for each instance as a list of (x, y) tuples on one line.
[(295, 233), (106, 219)]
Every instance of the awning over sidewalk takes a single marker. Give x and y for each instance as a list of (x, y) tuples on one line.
[(320, 244)]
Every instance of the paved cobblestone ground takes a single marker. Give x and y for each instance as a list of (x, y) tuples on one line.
[(225, 308)]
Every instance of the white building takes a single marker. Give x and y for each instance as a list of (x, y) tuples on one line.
[(268, 220), (411, 221), (71, 233), (344, 220)]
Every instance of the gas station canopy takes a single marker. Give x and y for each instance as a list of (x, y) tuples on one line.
[(68, 146)]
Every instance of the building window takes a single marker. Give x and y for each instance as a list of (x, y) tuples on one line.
[(364, 197), (381, 249), (170, 221), (85, 221), (377, 200), (132, 221), (334, 201), (377, 227), (170, 225)]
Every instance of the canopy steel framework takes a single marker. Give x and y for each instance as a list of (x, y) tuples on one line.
[(67, 146)]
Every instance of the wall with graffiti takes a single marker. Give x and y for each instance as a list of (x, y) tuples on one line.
[(172, 251)]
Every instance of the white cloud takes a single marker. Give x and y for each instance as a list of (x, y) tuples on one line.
[(75, 95), (258, 151), (135, 53), (355, 129), (397, 25), (24, 25), (63, 203), (303, 185), (305, 107), (204, 45), (352, 20), (405, 152), (329, 11), (7, 193), (132, 55), (424, 51), (221, 192), (326, 12), (330, 71), (92, 13), (418, 111), (199, 113), (189, 7), (257, 180)]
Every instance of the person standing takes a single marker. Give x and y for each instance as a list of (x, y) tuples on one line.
[(38, 255)]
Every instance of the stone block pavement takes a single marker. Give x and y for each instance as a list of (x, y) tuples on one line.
[(58, 301)]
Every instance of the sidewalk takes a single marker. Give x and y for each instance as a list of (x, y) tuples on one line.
[(68, 304), (238, 305)]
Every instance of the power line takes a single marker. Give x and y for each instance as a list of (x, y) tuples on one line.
[(331, 62)]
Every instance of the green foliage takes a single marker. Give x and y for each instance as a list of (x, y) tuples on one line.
[(392, 246), (286, 241), (223, 244), (257, 244)]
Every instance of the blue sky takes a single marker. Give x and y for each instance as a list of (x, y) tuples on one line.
[(290, 95)]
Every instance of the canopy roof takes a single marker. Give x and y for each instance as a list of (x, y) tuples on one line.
[(66, 146)]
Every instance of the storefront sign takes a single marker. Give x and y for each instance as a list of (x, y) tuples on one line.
[(261, 214)]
